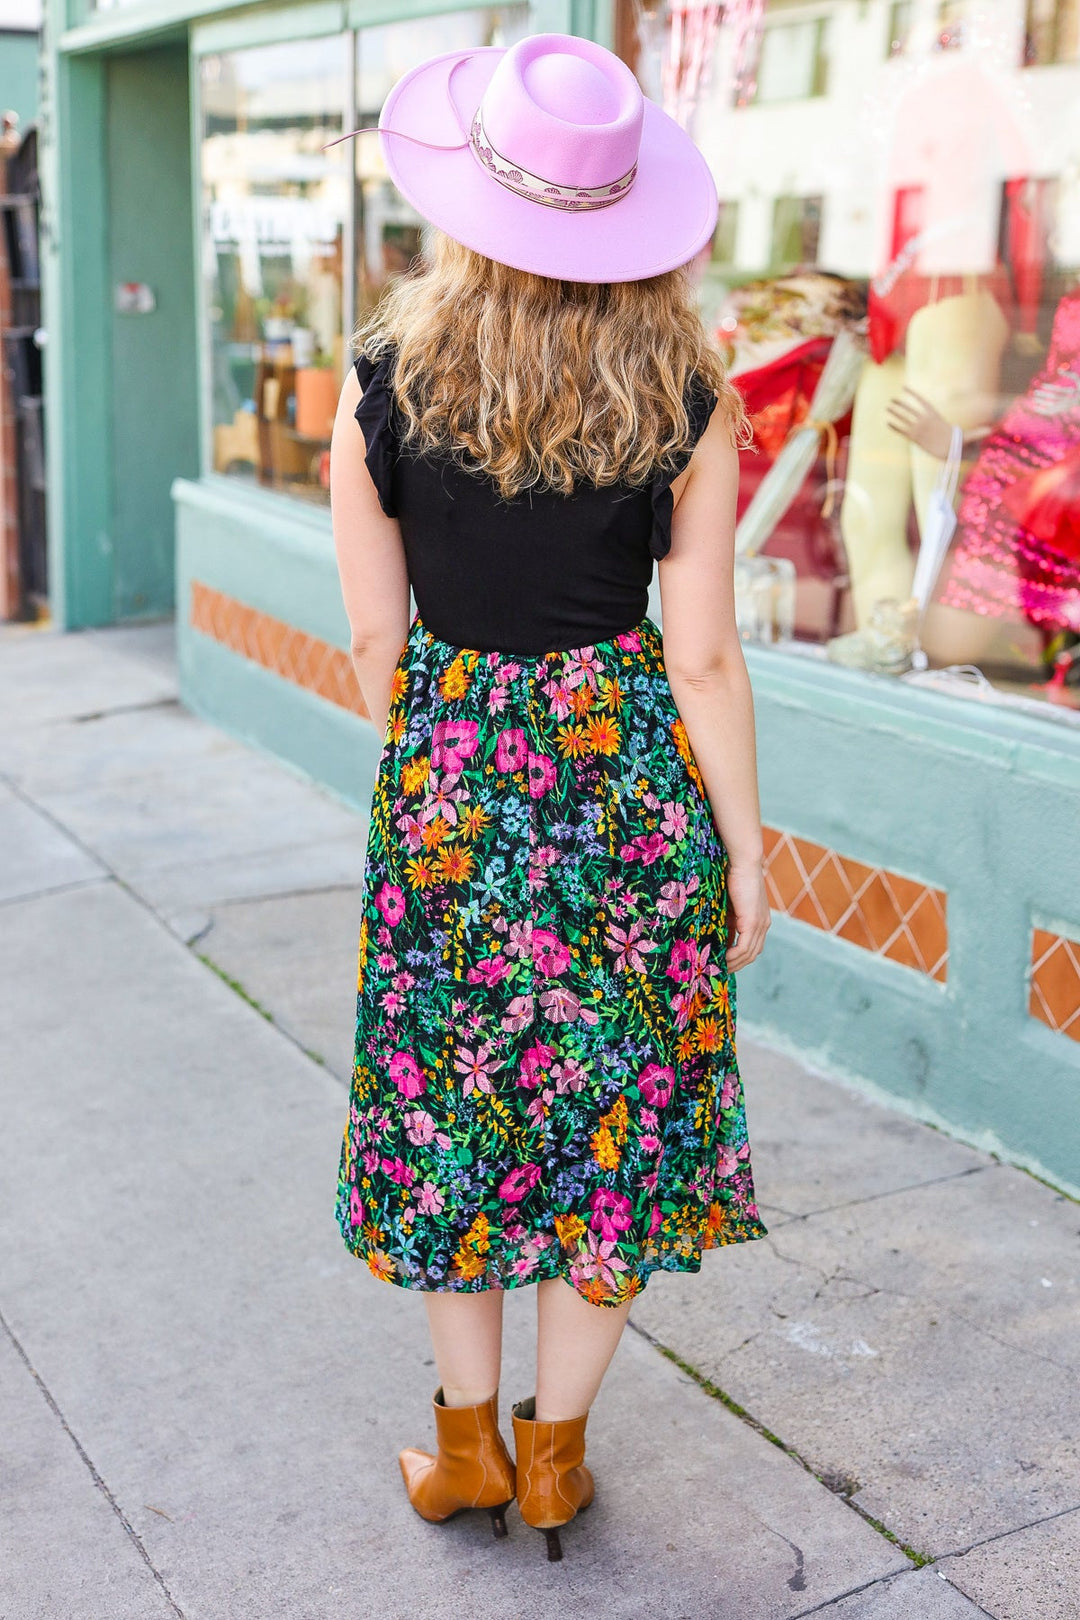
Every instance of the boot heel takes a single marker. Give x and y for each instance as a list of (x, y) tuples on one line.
[(554, 1546), (498, 1519)]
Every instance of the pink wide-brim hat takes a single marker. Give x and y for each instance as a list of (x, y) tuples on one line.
[(546, 156)]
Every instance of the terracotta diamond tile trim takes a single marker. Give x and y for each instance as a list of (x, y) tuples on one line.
[(305, 660), (869, 906), (1055, 981)]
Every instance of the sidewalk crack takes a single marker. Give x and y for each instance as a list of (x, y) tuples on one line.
[(129, 1528)]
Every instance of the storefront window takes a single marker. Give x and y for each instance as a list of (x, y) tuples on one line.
[(284, 221), (388, 231), (900, 304), (275, 216)]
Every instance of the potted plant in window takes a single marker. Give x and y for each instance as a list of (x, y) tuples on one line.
[(317, 389)]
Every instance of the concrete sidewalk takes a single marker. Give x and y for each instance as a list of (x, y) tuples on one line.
[(871, 1414)]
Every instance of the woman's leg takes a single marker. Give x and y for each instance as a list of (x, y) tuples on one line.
[(466, 1335), (575, 1342)]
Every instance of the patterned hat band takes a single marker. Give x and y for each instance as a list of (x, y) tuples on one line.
[(574, 199)]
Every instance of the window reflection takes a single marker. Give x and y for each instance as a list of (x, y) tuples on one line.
[(274, 228), (388, 231), (900, 302)]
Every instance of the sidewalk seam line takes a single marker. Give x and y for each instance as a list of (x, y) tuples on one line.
[(706, 1385), (129, 1528), (59, 888)]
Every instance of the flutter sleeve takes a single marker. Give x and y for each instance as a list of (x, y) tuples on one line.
[(374, 416), (700, 404)]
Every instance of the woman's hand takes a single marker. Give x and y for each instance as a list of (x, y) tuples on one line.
[(748, 904)]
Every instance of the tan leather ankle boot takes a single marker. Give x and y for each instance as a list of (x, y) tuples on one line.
[(553, 1483), (472, 1468)]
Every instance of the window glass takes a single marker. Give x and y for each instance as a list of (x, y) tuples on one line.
[(900, 305), (274, 222), (388, 231)]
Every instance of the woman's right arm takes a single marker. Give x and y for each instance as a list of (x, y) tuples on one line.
[(709, 681)]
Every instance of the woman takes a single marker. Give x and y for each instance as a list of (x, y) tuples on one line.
[(565, 837)]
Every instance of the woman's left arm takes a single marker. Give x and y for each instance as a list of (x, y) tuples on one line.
[(370, 558)]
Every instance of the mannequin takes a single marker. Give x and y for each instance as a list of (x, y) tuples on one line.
[(952, 359)]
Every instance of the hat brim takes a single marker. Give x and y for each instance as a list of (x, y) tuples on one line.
[(664, 220)]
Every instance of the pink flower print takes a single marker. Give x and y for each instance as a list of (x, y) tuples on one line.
[(511, 752), (675, 822), (646, 848), (611, 1212), (519, 1015), (443, 799), (404, 981), (648, 1119), (656, 1085), (507, 672), (649, 1144), (371, 1161), (561, 1006), (431, 1199), (579, 666), (683, 963), (496, 700), (519, 939), (533, 1064), (419, 1127), (399, 1171), (550, 956), (568, 1076), (726, 1162), (629, 641), (406, 1074), (411, 828), (452, 743), (513, 1187), (541, 775), (392, 1002), (356, 1207), (655, 1220), (525, 1265), (477, 1068), (727, 1093), (559, 699), (391, 903), (672, 901), (628, 946), (597, 1259), (489, 971)]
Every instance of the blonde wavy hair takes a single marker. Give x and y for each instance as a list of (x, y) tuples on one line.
[(541, 382)]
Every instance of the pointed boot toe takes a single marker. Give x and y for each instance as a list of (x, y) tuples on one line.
[(471, 1469)]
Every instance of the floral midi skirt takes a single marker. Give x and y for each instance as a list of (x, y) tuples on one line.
[(545, 1080)]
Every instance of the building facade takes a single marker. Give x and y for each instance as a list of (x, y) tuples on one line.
[(893, 273)]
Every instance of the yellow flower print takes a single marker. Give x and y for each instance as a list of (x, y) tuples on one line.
[(421, 873), (455, 864), (604, 1150), (361, 954), (380, 1265), (581, 701), (397, 727), (435, 832), (682, 743), (414, 773), (473, 822), (603, 736), (569, 1229), (399, 685), (710, 1035), (454, 681), (571, 741)]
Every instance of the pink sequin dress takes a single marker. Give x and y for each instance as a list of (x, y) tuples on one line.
[(998, 567)]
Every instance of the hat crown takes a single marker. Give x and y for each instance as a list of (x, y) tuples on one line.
[(565, 109)]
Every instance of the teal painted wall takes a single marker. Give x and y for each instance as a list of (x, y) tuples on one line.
[(983, 802), (154, 394), (251, 546), (19, 74)]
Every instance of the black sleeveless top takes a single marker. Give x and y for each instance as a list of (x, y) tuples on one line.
[(539, 573)]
